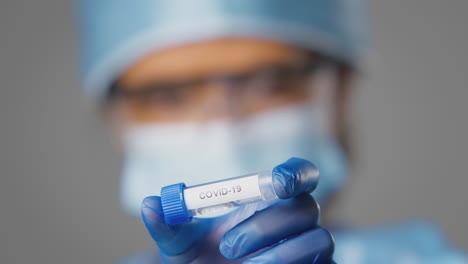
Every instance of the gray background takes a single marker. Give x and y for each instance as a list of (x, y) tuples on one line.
[(59, 183)]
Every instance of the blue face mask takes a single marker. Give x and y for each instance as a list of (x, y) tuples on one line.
[(163, 154)]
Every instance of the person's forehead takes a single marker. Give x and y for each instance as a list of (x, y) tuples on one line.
[(210, 57)]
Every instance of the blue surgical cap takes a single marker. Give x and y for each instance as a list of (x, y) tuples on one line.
[(114, 34)]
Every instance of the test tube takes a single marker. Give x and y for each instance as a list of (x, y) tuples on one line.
[(181, 203)]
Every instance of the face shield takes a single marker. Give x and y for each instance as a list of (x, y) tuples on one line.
[(228, 123), (245, 121)]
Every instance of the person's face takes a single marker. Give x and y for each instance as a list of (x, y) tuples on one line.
[(166, 108), (231, 78)]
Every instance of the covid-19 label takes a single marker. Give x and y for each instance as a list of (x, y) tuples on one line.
[(222, 192)]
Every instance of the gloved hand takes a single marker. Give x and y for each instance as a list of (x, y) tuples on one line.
[(286, 231)]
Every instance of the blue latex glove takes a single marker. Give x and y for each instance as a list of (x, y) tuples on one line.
[(284, 232)]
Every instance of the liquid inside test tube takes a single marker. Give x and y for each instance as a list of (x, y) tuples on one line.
[(211, 197)]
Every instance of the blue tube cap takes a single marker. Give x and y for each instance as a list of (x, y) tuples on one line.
[(173, 204)]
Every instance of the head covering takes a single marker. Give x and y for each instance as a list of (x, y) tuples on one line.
[(116, 33)]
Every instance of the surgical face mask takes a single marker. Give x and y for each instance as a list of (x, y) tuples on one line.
[(162, 154)]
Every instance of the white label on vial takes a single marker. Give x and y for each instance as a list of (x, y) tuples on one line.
[(222, 192)]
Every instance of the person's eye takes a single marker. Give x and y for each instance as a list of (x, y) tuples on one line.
[(288, 81), (168, 95), (268, 82)]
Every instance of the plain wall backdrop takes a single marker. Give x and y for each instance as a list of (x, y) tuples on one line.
[(60, 176)]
